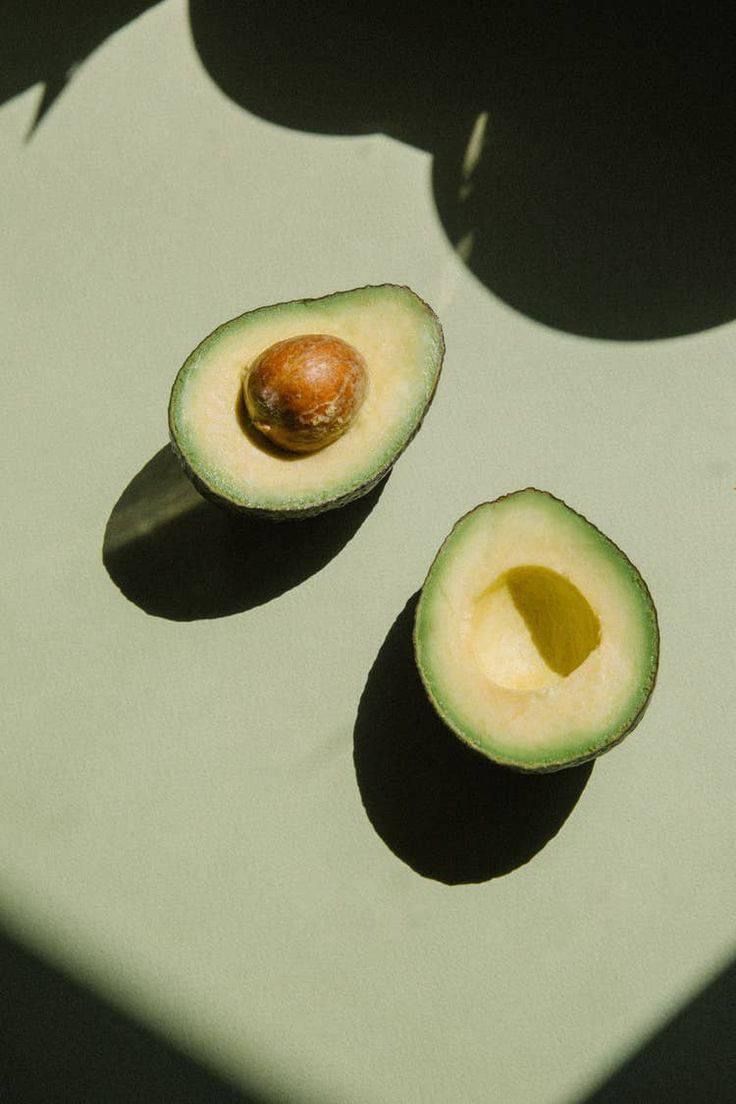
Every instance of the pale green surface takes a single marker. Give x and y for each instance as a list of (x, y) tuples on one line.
[(179, 815)]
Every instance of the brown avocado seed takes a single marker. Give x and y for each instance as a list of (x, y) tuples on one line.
[(303, 393)]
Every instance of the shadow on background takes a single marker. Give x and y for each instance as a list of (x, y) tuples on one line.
[(44, 41), (691, 1059), (177, 556), (584, 158), (61, 1044), (442, 808)]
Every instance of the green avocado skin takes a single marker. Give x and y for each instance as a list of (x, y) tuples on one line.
[(563, 761), (312, 509), (282, 514)]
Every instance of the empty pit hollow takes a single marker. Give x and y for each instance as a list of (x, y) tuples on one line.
[(531, 628)]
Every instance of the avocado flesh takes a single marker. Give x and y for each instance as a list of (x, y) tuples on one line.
[(400, 339), (536, 638)]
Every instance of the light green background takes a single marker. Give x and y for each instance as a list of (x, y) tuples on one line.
[(180, 823)]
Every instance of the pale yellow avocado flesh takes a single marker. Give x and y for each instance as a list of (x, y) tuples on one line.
[(535, 636), (401, 341), (531, 628)]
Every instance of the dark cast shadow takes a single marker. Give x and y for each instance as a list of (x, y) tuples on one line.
[(177, 556), (691, 1058), (584, 159), (63, 1044), (44, 41), (442, 808), (597, 190)]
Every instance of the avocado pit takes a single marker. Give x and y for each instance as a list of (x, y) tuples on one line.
[(304, 392)]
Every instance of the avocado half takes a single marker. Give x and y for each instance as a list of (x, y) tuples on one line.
[(400, 338), (535, 637)]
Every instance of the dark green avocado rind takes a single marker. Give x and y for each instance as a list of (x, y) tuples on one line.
[(599, 743), (315, 505), (282, 514)]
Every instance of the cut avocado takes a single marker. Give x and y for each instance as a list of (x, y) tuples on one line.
[(535, 637), (400, 341)]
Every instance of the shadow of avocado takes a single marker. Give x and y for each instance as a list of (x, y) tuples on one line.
[(442, 808), (583, 161), (177, 556)]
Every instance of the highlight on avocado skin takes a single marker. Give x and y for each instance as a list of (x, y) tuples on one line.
[(303, 406), (535, 636)]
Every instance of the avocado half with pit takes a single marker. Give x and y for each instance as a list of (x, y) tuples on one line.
[(535, 637), (393, 339)]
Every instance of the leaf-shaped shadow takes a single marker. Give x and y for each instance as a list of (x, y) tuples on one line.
[(446, 811), (583, 158), (47, 42), (177, 556), (594, 191)]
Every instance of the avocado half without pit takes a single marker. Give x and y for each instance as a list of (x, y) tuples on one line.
[(299, 407), (535, 637)]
